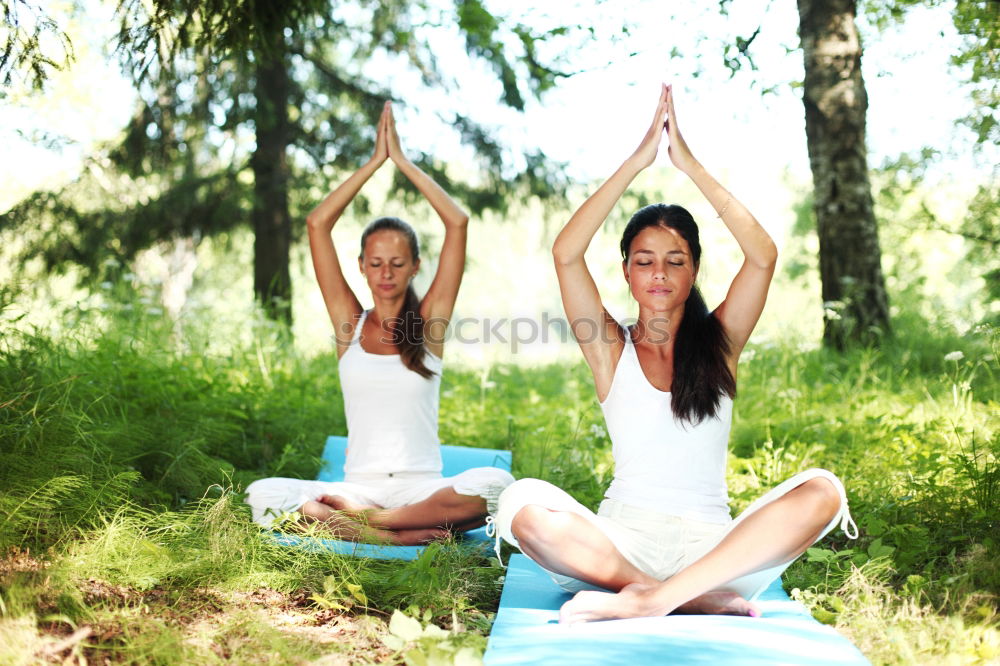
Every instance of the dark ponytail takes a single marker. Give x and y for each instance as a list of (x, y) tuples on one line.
[(701, 375), (408, 333)]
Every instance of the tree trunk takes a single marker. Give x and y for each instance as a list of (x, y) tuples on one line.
[(271, 220), (855, 304)]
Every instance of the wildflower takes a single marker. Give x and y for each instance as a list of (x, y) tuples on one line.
[(954, 356)]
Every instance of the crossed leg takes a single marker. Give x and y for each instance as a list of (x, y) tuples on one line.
[(427, 520), (772, 535), (353, 528), (569, 544)]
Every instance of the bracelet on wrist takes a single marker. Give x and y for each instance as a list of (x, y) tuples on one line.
[(725, 207)]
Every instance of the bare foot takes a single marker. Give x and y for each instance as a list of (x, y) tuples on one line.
[(420, 535), (338, 503), (639, 600), (345, 529), (719, 602), (634, 600)]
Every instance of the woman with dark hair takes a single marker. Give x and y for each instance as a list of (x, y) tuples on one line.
[(663, 540), (390, 373)]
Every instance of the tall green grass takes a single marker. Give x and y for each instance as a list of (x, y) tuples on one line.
[(124, 449)]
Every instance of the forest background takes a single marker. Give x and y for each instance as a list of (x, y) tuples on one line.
[(143, 384)]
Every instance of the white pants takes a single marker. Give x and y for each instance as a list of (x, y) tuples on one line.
[(271, 498), (658, 544)]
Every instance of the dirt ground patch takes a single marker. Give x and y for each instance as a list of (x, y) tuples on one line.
[(119, 624)]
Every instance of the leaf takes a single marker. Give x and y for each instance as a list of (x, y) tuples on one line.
[(404, 627), (819, 555), (824, 616), (323, 602), (357, 592), (875, 527), (467, 656), (914, 582), (417, 657), (438, 655), (393, 642), (877, 549), (434, 631)]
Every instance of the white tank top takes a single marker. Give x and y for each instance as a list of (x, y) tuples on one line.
[(661, 464), (392, 412)]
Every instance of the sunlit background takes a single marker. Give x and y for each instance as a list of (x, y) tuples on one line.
[(748, 129)]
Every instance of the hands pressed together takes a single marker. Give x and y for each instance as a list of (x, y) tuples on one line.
[(387, 144), (665, 120), (387, 139)]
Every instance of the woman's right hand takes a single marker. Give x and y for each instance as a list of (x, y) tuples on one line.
[(646, 152)]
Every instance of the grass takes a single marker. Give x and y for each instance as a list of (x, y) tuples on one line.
[(123, 451)]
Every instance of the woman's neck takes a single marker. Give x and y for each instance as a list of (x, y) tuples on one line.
[(386, 310), (657, 328)]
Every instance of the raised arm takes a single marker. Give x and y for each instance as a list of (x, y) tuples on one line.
[(744, 302), (439, 301), (598, 334), (341, 302)]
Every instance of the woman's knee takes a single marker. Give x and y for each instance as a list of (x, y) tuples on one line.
[(516, 497), (823, 497), (267, 498), (263, 491), (530, 523), (520, 493), (498, 477), (487, 483), (827, 499)]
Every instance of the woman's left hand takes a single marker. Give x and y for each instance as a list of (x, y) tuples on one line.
[(678, 149), (392, 137), (381, 153)]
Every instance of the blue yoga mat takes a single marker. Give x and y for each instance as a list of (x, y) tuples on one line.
[(526, 631), (455, 460)]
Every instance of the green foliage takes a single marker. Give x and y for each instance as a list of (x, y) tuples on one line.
[(909, 221), (913, 431), (158, 32), (92, 417), (183, 167), (23, 56), (123, 450), (976, 21), (78, 227), (430, 645)]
